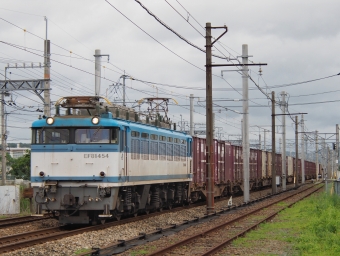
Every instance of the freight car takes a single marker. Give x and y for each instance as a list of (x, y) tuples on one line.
[(228, 169)]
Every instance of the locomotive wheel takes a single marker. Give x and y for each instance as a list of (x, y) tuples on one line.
[(102, 221), (118, 217)]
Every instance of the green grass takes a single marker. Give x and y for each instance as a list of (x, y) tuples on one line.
[(143, 251), (310, 227), (82, 250), (24, 203)]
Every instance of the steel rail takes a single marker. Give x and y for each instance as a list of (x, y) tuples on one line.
[(113, 247), (198, 235), (242, 233), (19, 220), (22, 240)]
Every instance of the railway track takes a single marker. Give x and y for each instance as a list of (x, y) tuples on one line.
[(123, 245), (212, 240), (28, 239), (19, 220)]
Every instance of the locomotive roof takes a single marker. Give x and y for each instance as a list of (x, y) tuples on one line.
[(78, 121)]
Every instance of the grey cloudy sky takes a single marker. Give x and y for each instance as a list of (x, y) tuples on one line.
[(298, 39)]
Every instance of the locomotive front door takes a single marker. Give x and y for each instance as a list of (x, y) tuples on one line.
[(126, 150)]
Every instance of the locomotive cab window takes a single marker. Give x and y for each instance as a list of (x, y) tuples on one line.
[(50, 136)]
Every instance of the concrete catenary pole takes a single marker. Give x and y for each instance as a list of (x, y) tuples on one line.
[(324, 158), (264, 140), (296, 169), (245, 123), (47, 65), (302, 150), (337, 151), (260, 144), (284, 168), (316, 155), (3, 137), (191, 114), (97, 71), (273, 145), (213, 120), (124, 104), (209, 125)]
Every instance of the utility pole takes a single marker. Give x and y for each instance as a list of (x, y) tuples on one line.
[(47, 65), (3, 136), (280, 145), (324, 158), (97, 71), (191, 114), (213, 120), (316, 155), (245, 123), (296, 171), (337, 151), (284, 168), (273, 145), (264, 140), (302, 150), (260, 144), (124, 90), (329, 169), (209, 125)]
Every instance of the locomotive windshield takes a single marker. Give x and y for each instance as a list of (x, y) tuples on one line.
[(51, 136), (73, 135), (98, 135)]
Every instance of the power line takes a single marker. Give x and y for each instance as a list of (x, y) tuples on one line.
[(153, 37), (173, 31)]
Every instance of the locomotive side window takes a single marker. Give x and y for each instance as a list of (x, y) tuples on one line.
[(50, 136), (145, 135), (134, 134), (154, 137), (169, 139)]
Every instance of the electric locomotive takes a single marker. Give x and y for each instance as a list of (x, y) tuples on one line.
[(100, 161)]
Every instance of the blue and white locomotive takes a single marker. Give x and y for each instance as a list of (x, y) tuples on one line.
[(90, 164)]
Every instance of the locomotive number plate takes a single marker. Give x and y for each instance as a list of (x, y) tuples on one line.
[(96, 155)]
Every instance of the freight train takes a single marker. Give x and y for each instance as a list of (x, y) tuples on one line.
[(99, 161)]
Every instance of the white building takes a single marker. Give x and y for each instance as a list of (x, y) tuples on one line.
[(17, 152)]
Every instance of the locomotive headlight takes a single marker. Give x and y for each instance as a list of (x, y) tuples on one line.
[(50, 120), (41, 174), (102, 174), (95, 120)]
